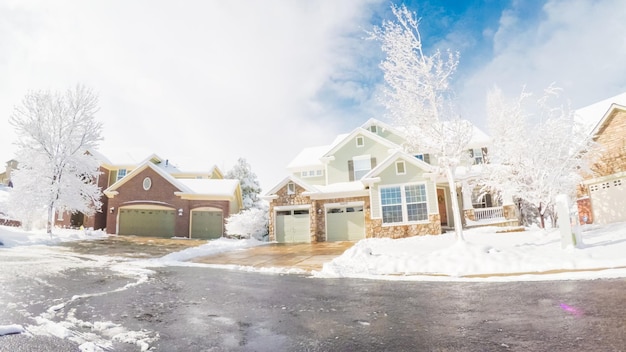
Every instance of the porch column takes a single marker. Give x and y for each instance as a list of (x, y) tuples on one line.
[(509, 210), (468, 208)]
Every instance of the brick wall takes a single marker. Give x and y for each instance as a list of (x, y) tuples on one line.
[(161, 193)]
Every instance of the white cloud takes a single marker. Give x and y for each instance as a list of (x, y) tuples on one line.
[(579, 45), (199, 82)]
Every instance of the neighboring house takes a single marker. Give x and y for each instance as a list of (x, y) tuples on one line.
[(364, 185), (5, 177), (602, 197), (154, 198)]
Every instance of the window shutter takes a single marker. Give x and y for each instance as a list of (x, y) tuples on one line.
[(373, 162), (351, 170), (488, 203), (427, 158), (484, 150)]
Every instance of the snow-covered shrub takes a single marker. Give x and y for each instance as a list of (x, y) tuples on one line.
[(250, 223)]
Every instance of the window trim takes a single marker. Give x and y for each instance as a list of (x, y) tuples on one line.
[(404, 205), (119, 171), (360, 141), (398, 163), (291, 188), (354, 164)]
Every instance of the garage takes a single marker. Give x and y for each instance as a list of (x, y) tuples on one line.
[(207, 224), (147, 222), (608, 201), (293, 226), (345, 223)]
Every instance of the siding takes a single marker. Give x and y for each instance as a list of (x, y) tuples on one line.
[(338, 169)]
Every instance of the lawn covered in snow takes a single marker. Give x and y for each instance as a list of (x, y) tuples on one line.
[(485, 253)]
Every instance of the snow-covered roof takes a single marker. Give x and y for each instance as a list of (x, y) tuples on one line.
[(590, 115), (341, 187), (479, 138), (308, 158), (219, 187)]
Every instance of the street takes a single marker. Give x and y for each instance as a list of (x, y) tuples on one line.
[(105, 304)]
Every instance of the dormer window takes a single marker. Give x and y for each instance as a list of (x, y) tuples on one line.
[(400, 168), (360, 141), (291, 188), (374, 129)]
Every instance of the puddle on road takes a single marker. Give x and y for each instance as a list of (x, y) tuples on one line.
[(132, 246)]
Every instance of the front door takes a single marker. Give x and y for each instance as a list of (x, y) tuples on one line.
[(443, 212)]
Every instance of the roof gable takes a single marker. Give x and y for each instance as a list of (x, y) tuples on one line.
[(398, 155), (288, 179), (148, 164), (360, 132), (592, 116), (606, 118)]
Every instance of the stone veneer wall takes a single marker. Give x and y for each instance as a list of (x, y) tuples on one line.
[(611, 139), (285, 199), (376, 229), (469, 214)]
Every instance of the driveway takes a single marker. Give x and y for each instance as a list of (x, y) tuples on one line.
[(304, 256)]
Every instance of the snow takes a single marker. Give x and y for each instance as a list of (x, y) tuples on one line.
[(11, 329), (217, 187), (487, 255), (591, 115), (533, 254), (14, 236)]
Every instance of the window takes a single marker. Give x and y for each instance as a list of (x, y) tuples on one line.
[(291, 188), (362, 165), (478, 155), (147, 183), (406, 203), (400, 170), (312, 173), (374, 129), (360, 142), (423, 157), (121, 173)]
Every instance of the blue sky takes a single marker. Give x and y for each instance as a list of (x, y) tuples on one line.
[(207, 82)]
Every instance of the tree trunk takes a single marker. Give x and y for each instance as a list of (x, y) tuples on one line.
[(456, 211), (50, 219), (543, 223)]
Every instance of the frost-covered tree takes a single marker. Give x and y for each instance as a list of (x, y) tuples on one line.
[(250, 223), (538, 150), (54, 131), (419, 98), (250, 188)]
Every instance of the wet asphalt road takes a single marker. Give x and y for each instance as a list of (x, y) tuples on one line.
[(203, 309)]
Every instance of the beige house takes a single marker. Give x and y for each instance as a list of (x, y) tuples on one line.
[(602, 197), (364, 185)]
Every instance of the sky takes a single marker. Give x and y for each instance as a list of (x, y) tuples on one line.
[(204, 83)]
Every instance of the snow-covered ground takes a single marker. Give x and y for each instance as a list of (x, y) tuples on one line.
[(533, 254), (486, 255)]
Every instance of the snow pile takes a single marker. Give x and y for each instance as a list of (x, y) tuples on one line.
[(13, 236), (11, 329), (485, 253), (213, 247)]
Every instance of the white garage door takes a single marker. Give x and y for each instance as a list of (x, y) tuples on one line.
[(608, 201), (345, 223), (293, 226)]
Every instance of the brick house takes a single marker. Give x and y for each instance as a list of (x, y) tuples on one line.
[(155, 198), (602, 196), (364, 185)]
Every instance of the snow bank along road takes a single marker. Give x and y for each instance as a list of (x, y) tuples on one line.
[(66, 301)]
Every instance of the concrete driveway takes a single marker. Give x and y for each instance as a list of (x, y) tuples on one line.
[(304, 256)]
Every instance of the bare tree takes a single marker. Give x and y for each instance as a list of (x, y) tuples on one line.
[(55, 170), (419, 98)]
